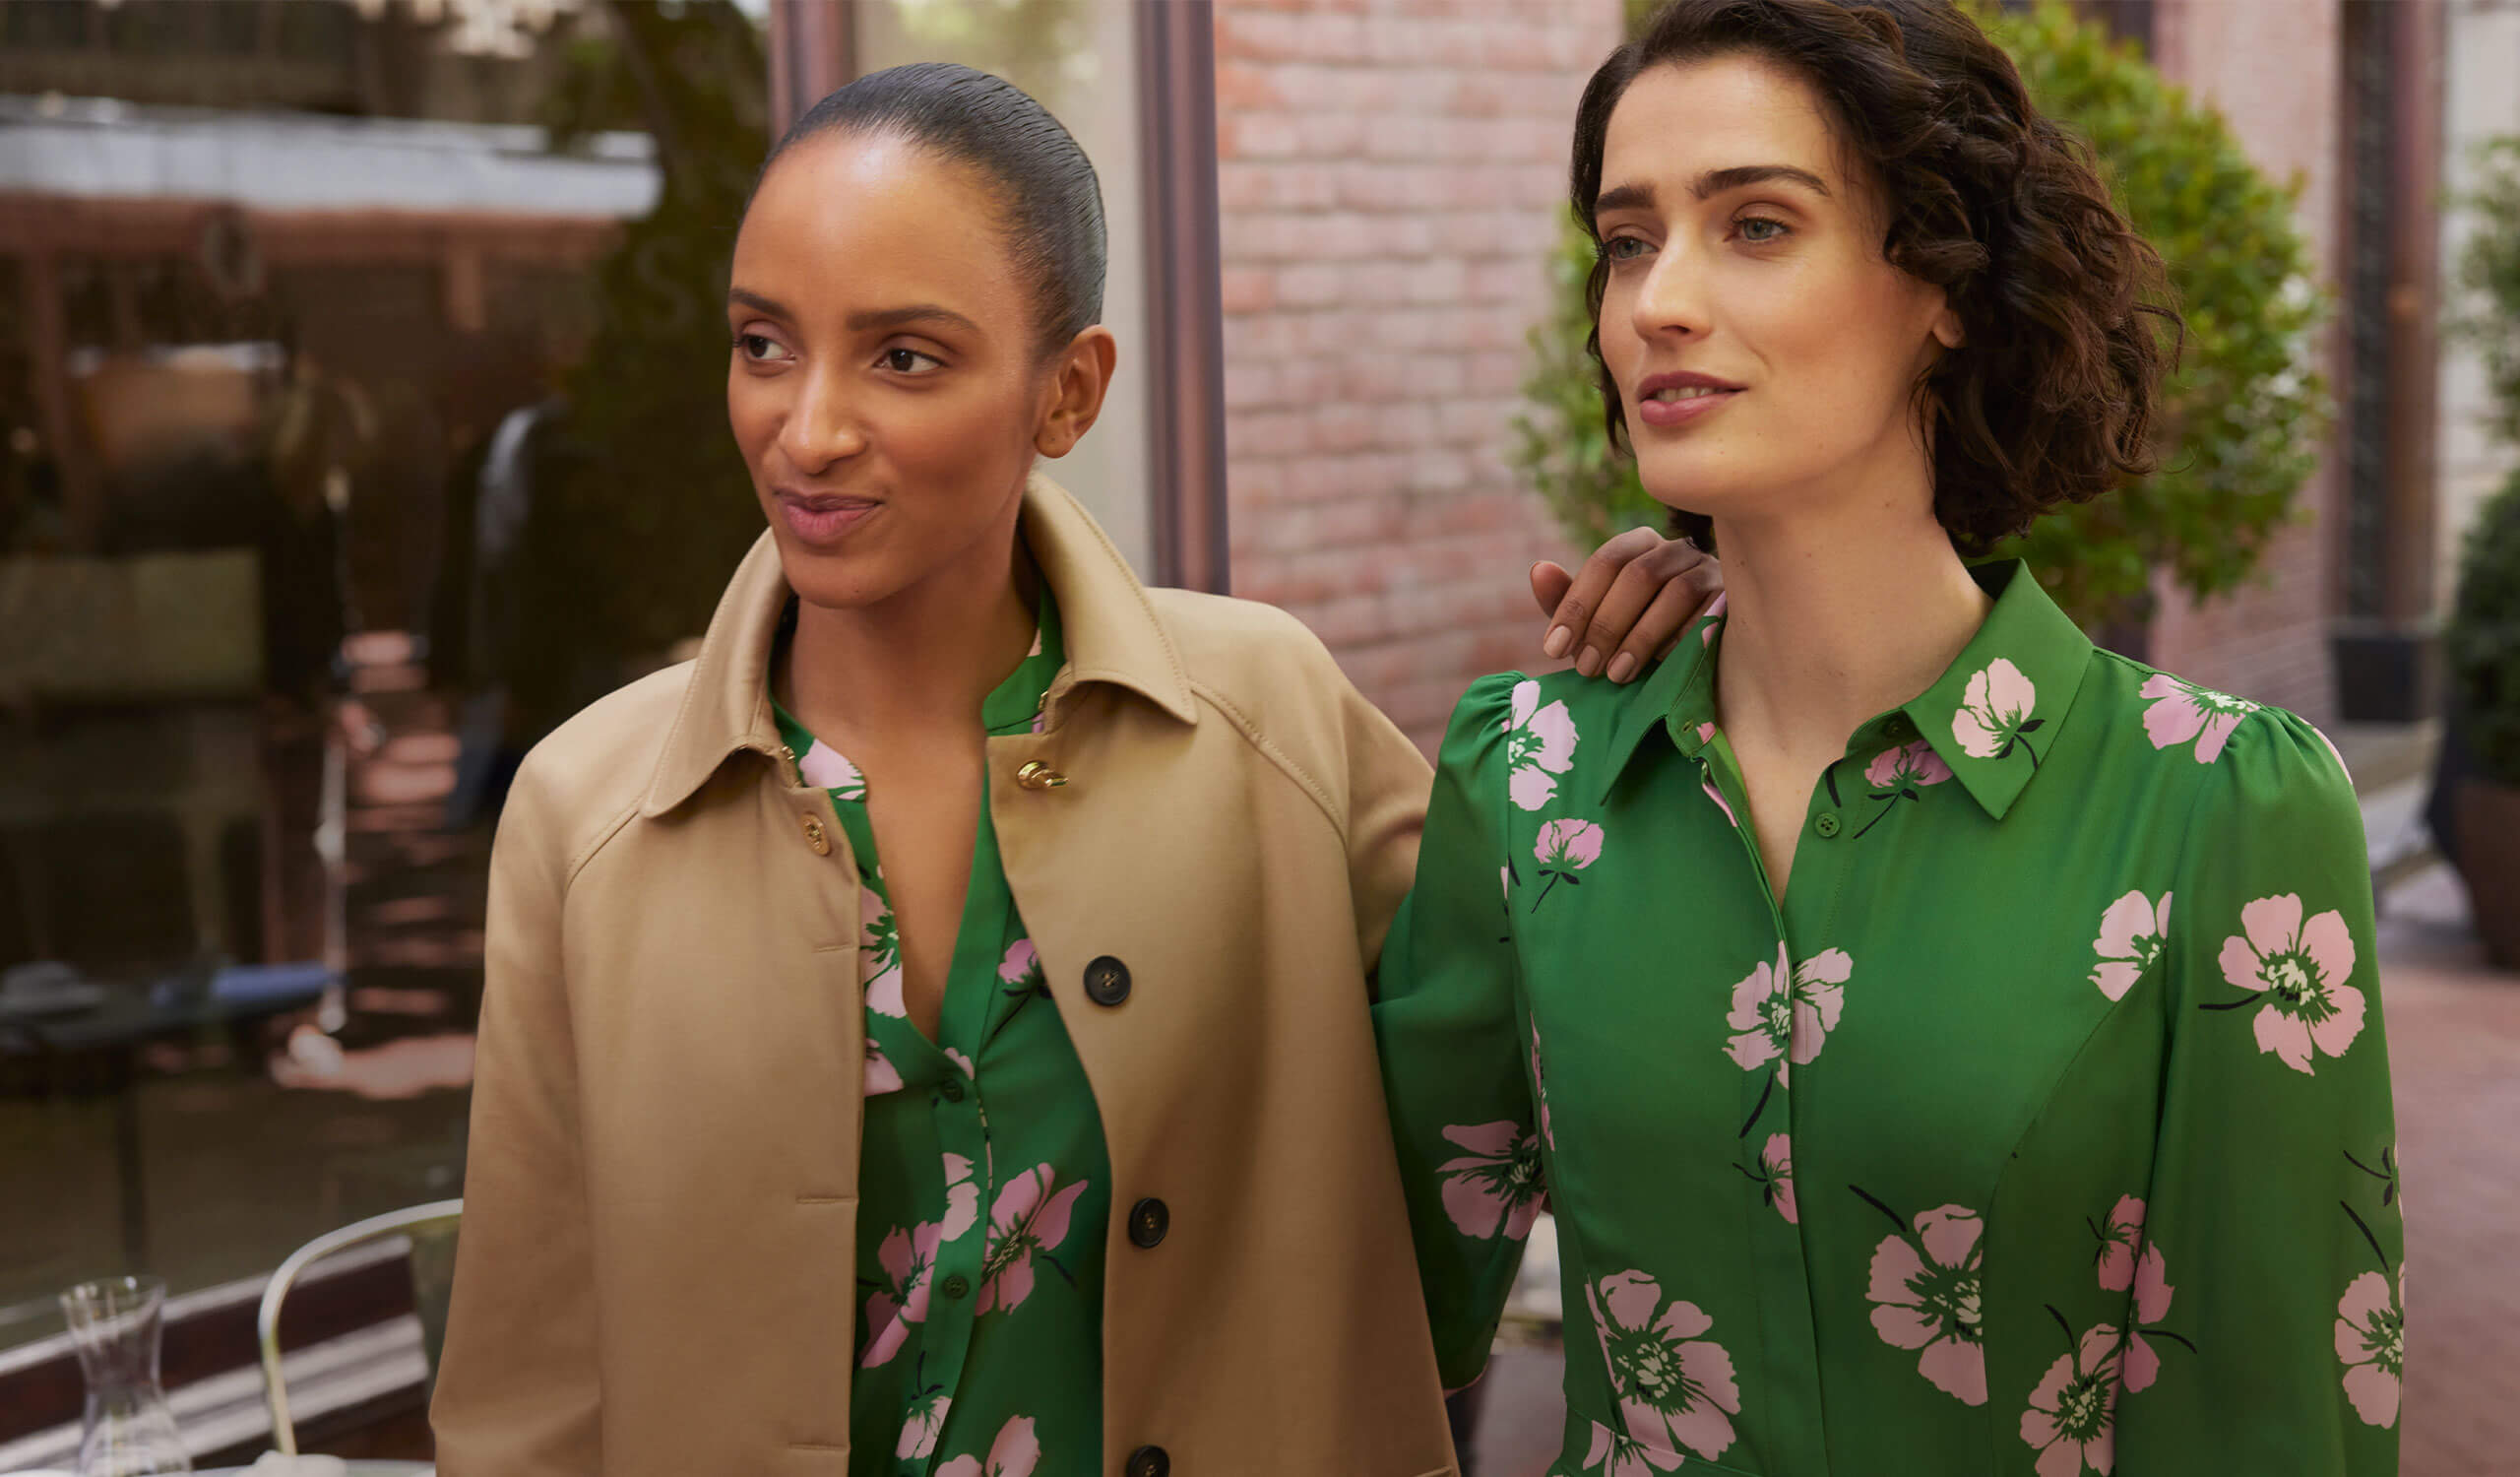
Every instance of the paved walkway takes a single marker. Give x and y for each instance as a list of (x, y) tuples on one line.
[(2454, 1048)]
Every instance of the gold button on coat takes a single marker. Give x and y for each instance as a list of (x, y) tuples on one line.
[(814, 836), (1035, 774)]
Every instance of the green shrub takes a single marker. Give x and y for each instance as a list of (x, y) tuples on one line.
[(2482, 641), (2241, 422)]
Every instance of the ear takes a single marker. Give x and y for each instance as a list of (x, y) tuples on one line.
[(1080, 376), (1946, 327)]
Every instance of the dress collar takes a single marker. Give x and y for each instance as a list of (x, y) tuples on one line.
[(1110, 626), (1992, 716)]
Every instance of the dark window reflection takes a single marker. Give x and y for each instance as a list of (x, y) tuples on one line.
[(294, 564)]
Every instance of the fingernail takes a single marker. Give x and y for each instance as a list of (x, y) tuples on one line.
[(1589, 662), (1559, 638), (1624, 668)]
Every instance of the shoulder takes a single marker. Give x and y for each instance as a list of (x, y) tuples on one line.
[(1260, 666), (2246, 763), (1234, 644), (1559, 720), (584, 779), (1267, 676)]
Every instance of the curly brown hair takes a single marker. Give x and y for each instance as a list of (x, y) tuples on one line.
[(2063, 307)]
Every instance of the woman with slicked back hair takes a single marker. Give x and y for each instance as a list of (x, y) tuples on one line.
[(1828, 982), (929, 1034)]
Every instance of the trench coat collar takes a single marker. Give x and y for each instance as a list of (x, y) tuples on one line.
[(1112, 637)]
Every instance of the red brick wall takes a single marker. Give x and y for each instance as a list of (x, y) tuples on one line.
[(1391, 175), (2273, 71)]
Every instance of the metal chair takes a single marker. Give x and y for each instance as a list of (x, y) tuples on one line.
[(431, 1229)]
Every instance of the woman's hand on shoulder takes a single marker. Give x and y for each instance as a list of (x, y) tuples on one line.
[(1627, 606)]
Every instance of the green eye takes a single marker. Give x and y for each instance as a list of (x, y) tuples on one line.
[(1759, 229)]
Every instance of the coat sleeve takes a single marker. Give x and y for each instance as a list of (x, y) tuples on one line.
[(2266, 1326), (518, 1390), (1387, 782), (1447, 1021)]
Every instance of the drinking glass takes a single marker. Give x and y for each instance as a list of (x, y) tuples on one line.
[(128, 1431)]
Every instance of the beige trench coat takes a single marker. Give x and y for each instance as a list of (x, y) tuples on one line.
[(657, 1270)]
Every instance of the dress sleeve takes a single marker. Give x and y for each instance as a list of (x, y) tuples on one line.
[(519, 1394), (1448, 1023), (2266, 1318)]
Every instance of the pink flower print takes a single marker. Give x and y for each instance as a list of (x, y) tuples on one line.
[(883, 950), (2182, 711), (962, 1063), (2131, 934), (1706, 733), (1015, 1453), (1722, 804), (2120, 1238), (2370, 1338), (962, 1199), (1565, 848), (909, 1259), (1615, 1454), (1910, 764), (1781, 1012), (1762, 1014), (825, 768), (2128, 1262), (1712, 618), (1776, 1172), (926, 1421), (2301, 969), (1675, 1388), (1021, 966), (881, 1075), (1540, 745), (1902, 773), (1031, 1214), (1496, 1186), (2072, 1419), (1994, 712), (1927, 1294)]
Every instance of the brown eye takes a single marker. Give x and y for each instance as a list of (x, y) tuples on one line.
[(911, 361)]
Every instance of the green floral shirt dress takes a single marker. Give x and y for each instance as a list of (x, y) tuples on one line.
[(2044, 1129), (984, 1186)]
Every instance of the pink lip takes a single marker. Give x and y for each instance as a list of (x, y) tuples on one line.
[(823, 519), (1671, 412)]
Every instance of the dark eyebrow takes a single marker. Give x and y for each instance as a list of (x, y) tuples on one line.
[(1717, 182), (859, 322), (1712, 182)]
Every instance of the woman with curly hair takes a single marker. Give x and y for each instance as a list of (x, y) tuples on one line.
[(1965, 1152)]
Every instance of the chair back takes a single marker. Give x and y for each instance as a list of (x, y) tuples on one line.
[(431, 1232)]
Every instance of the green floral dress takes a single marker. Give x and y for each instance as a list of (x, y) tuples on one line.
[(1972, 1156), (984, 1186)]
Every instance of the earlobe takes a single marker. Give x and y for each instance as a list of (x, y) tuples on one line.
[(1946, 330)]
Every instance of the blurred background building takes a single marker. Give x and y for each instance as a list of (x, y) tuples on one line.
[(350, 350)]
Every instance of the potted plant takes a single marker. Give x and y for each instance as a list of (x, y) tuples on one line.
[(2483, 645), (2475, 803)]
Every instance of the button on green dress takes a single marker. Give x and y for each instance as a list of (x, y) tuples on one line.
[(2044, 1130), (984, 1186)]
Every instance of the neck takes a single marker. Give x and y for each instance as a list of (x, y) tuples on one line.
[(1832, 619), (927, 656)]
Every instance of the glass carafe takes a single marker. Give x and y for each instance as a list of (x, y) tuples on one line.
[(129, 1430)]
